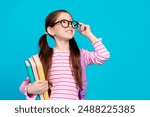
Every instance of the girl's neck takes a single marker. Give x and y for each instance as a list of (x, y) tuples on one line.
[(62, 45)]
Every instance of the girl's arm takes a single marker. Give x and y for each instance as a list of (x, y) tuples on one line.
[(101, 54)]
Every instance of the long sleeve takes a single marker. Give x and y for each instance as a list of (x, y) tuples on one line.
[(23, 85), (23, 89), (99, 56)]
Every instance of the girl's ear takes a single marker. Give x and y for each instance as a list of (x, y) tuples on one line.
[(50, 31)]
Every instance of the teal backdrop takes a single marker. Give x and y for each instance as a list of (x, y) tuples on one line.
[(124, 26)]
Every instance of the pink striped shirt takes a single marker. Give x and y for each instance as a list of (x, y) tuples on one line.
[(60, 75), (63, 83)]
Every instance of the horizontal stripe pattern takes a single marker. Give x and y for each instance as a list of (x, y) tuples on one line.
[(60, 75), (63, 84), (99, 56)]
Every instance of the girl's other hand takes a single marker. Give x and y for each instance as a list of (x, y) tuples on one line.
[(38, 87)]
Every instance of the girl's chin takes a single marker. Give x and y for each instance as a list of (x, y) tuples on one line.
[(69, 37)]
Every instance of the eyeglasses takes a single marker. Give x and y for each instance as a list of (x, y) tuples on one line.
[(65, 23)]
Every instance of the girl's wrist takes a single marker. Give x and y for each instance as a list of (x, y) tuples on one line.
[(27, 89)]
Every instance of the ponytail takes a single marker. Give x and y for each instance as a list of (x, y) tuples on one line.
[(45, 55), (43, 45), (75, 59)]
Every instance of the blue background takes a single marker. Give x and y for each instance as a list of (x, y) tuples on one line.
[(124, 26)]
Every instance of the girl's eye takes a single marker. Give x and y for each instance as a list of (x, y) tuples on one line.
[(64, 21)]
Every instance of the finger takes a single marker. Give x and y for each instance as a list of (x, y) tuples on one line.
[(46, 82), (44, 89), (42, 82), (43, 85), (80, 25), (83, 27)]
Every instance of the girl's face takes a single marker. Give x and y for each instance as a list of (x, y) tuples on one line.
[(60, 32)]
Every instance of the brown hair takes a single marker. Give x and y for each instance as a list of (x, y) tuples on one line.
[(46, 52)]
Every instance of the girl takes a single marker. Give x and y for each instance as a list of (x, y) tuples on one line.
[(63, 67)]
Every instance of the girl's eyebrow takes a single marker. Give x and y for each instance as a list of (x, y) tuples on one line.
[(66, 19)]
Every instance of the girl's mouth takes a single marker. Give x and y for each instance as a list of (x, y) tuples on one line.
[(69, 31)]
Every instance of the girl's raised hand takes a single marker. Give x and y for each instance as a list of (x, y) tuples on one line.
[(84, 29)]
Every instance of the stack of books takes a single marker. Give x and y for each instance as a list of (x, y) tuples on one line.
[(36, 72)]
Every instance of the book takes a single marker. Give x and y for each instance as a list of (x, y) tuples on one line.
[(36, 77), (40, 70), (30, 74), (34, 68), (29, 71)]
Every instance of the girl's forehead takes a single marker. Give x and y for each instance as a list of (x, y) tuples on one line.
[(64, 16)]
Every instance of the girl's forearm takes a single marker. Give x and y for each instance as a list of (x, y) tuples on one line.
[(91, 37)]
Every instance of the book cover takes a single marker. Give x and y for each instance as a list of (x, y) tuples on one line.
[(40, 73), (30, 74), (35, 74), (29, 71)]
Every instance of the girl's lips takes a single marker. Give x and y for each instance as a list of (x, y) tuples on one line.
[(69, 31)]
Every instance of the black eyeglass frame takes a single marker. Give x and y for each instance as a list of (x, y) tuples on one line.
[(77, 23)]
